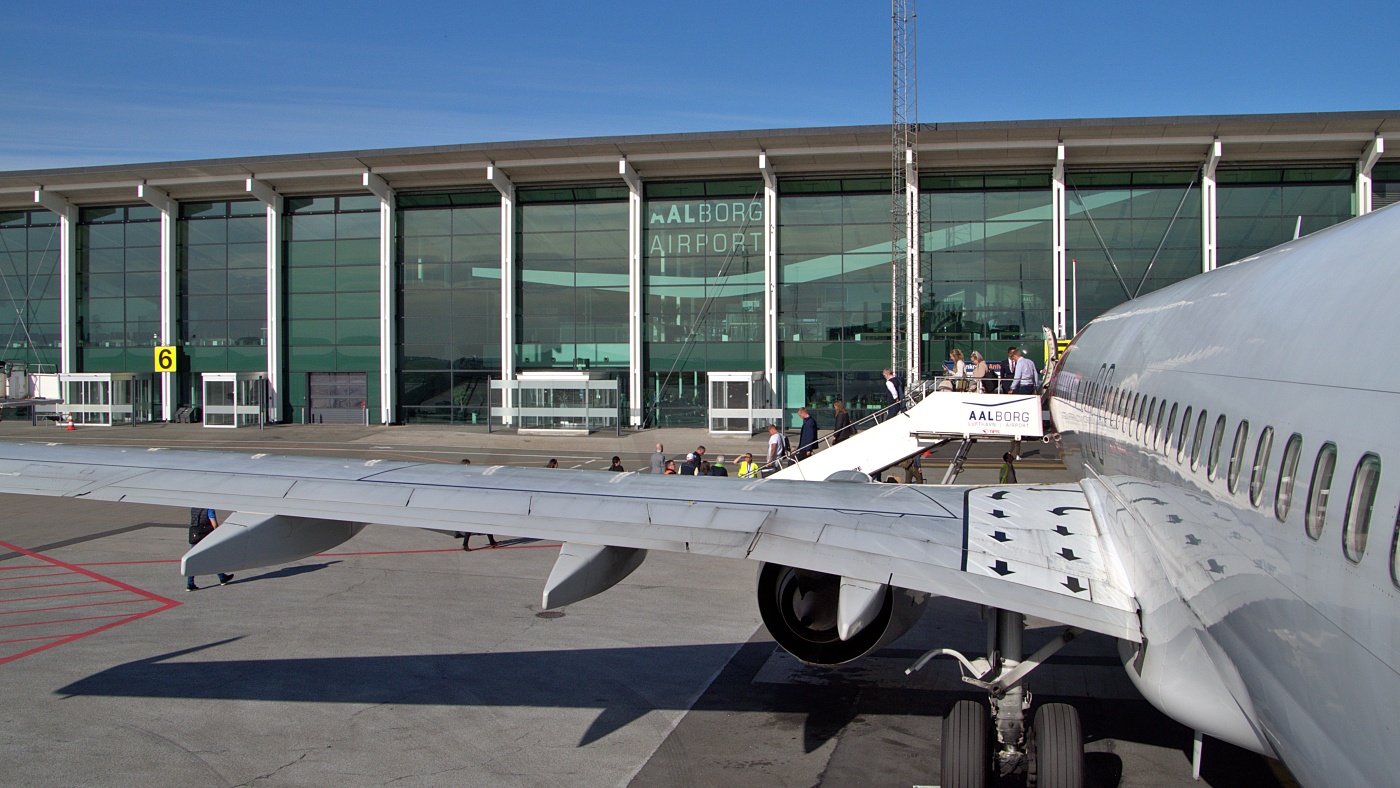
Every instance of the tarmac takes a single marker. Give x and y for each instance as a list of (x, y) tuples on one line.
[(399, 658)]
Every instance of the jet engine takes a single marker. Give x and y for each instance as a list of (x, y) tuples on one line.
[(805, 613)]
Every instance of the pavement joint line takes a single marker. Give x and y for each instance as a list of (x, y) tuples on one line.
[(62, 621), (56, 596), (26, 640), (43, 548), (30, 577), (72, 607)]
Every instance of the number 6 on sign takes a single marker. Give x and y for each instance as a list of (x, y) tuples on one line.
[(165, 359)]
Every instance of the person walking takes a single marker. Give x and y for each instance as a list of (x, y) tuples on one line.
[(658, 460), (894, 390), (1023, 378), (807, 438), (717, 468), (979, 372), (777, 446), (841, 423), (202, 523)]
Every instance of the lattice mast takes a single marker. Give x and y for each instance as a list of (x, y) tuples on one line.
[(904, 169)]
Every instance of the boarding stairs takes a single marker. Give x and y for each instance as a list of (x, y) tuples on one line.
[(931, 418)]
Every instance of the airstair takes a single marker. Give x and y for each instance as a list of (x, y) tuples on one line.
[(931, 418)]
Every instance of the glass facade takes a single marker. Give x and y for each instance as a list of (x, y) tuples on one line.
[(332, 281), (1262, 208), (221, 270), (1128, 233), (987, 265), (833, 293), (571, 278), (703, 263), (118, 288), (449, 252), (1385, 185), (30, 285)]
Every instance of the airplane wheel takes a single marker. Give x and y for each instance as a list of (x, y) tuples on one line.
[(1059, 747), (966, 758)]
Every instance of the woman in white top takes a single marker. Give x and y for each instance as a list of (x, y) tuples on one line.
[(958, 377)]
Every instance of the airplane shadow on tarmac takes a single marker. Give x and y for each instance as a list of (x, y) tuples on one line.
[(624, 684), (286, 571)]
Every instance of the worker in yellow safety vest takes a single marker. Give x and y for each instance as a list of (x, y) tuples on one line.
[(748, 469)]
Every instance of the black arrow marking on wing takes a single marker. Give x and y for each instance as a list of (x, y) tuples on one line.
[(1192, 540), (1153, 501), (999, 514), (1171, 518), (999, 494), (1001, 536), (1068, 554), (1062, 531), (1061, 511), (1002, 569), (1215, 567), (1072, 584)]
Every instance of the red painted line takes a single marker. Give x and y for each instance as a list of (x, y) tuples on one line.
[(56, 596), (13, 568), (132, 563), (162, 602), (23, 577), (71, 607), (63, 621), (392, 552), (26, 640), (51, 585)]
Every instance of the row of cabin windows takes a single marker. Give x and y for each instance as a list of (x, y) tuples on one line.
[(1154, 425)]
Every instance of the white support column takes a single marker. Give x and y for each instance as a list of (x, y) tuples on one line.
[(770, 279), (68, 280), (636, 380), (276, 362), (1210, 245), (169, 215), (388, 320), (507, 189), (914, 288), (1363, 174), (1057, 242)]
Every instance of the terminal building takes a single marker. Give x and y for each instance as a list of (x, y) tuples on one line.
[(397, 285)]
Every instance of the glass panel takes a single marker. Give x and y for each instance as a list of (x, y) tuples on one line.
[(1261, 465), (1198, 440), (1232, 479), (1181, 436), (1287, 475), (1320, 489), (1357, 527), (1213, 463)]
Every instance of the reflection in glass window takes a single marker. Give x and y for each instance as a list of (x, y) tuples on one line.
[(1287, 475), (1169, 431), (1181, 436), (1395, 554), (1232, 478), (1260, 208), (1213, 461), (1320, 489), (1261, 465), (1197, 440), (30, 299), (1357, 526)]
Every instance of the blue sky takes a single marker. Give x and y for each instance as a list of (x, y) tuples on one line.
[(85, 83)]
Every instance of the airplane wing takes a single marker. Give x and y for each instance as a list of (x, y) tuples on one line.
[(1033, 549)]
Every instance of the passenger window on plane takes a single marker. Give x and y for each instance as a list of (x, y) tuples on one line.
[(1232, 477), (1287, 474), (1159, 437), (1356, 528), (1395, 554), (1261, 465), (1142, 416), (1320, 489), (1196, 441), (1181, 436), (1217, 438)]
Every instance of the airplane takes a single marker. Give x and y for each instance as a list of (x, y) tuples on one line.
[(1207, 425)]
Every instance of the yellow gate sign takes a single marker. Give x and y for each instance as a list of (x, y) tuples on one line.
[(165, 359)]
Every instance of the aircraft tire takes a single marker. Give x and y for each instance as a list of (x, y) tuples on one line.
[(966, 759), (1059, 747)]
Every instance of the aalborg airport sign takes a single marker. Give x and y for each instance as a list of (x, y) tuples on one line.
[(1003, 415)]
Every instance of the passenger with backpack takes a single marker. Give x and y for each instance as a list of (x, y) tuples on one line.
[(202, 523)]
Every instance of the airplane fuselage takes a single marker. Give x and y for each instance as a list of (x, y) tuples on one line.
[(1208, 415)]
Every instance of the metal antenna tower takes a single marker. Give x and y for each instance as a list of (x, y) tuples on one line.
[(904, 173)]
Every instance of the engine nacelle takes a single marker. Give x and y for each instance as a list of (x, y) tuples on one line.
[(801, 609)]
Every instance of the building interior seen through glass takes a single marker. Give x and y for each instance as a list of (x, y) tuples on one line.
[(118, 287), (449, 253), (1127, 234), (332, 281), (1385, 185), (703, 256), (987, 265), (30, 312), (571, 278), (221, 269), (833, 293), (1261, 208)]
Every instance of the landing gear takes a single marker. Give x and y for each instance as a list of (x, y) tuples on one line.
[(1057, 748), (1050, 752), (966, 760)]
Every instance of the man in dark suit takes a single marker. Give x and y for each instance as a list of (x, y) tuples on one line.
[(894, 390), (807, 438)]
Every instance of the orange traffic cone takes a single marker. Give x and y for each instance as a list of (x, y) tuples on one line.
[(70, 424)]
